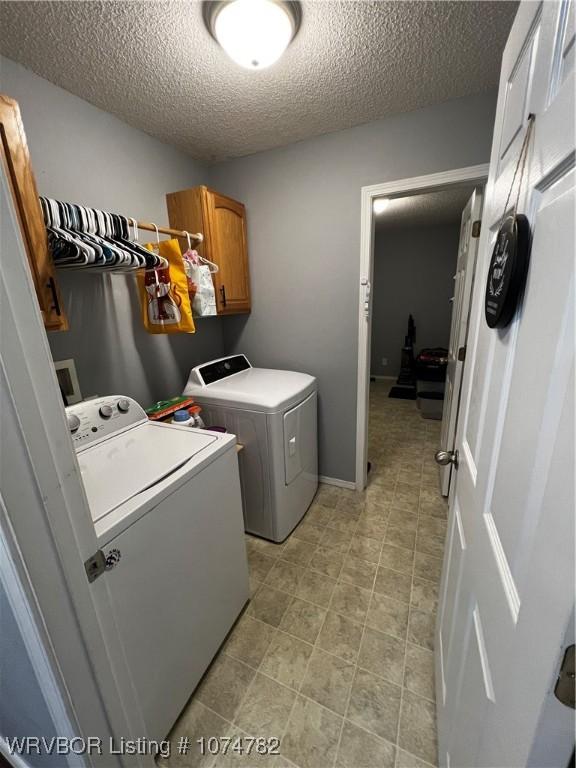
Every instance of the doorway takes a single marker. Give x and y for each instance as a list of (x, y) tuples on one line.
[(399, 197)]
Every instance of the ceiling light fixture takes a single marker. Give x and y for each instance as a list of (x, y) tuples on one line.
[(254, 33), (380, 205)]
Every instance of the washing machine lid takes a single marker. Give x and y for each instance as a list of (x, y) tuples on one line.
[(128, 463), (257, 389)]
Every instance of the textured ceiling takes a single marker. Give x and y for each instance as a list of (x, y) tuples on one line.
[(154, 65), (442, 207)]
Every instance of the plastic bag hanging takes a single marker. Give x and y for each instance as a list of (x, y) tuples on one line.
[(200, 285), (164, 292)]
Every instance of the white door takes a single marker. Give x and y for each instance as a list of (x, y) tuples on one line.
[(463, 282), (507, 590)]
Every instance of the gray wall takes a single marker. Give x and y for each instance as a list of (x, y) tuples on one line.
[(85, 155), (303, 207), (413, 273)]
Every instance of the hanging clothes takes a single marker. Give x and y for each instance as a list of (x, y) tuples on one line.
[(164, 292)]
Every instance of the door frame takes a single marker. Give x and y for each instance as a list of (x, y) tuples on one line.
[(47, 524), (473, 174)]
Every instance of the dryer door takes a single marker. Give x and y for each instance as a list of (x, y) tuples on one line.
[(300, 439)]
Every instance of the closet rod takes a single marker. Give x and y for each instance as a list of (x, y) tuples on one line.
[(197, 238)]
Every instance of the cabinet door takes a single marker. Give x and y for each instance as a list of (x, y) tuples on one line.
[(227, 229), (16, 161)]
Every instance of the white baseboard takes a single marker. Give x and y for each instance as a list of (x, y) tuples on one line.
[(383, 378), (335, 481)]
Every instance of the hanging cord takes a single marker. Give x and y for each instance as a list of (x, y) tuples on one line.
[(520, 165)]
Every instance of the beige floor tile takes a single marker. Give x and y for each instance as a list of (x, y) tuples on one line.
[(312, 734), (328, 495), (196, 722), (399, 536), (343, 520), (269, 548), (224, 686), (351, 601), (432, 526), (418, 727), (286, 659), (284, 576), (401, 518), (434, 509), (383, 655), (421, 626), (410, 477), (308, 532), (406, 497), (254, 585), (334, 539), (419, 671), (249, 641), (315, 587), (265, 708), (358, 572), (328, 680), (388, 615), (365, 548), (303, 620), (269, 605), (259, 565), (351, 503), (429, 545), (371, 527), (424, 595), (359, 749), (393, 583), (297, 551), (327, 561), (427, 567), (375, 705), (397, 558), (318, 514), (340, 636)]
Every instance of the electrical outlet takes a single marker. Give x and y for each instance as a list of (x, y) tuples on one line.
[(384, 361)]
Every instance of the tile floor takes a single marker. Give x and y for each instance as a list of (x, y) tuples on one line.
[(333, 655)]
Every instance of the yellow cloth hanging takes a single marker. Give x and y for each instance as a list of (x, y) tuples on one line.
[(164, 292)]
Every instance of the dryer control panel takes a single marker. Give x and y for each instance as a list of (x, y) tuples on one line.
[(95, 420), (216, 370)]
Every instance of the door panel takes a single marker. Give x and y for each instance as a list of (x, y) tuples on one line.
[(463, 282), (504, 601), (228, 228)]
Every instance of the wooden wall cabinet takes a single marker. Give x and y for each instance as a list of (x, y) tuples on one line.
[(18, 169), (222, 221)]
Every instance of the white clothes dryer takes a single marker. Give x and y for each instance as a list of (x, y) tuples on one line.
[(273, 413)]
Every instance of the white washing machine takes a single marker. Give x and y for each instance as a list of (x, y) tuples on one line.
[(274, 416), (166, 506)]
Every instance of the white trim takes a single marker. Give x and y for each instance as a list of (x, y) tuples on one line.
[(472, 174), (21, 604), (335, 481)]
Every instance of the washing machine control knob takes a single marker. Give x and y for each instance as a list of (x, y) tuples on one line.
[(73, 422), (106, 411), (123, 405)]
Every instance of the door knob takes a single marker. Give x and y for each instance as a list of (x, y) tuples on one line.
[(446, 457)]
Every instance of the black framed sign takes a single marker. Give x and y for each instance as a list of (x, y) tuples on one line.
[(507, 271)]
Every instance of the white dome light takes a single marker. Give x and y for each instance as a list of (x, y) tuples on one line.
[(254, 33), (380, 205)]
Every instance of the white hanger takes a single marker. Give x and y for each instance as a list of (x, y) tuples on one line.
[(213, 268)]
